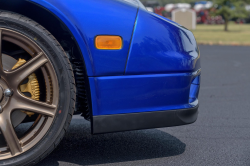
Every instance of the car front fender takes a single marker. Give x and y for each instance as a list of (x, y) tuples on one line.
[(87, 19)]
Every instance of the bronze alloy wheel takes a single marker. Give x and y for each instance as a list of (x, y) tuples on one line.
[(37, 91), (13, 99)]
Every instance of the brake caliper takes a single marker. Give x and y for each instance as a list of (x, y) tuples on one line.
[(32, 86)]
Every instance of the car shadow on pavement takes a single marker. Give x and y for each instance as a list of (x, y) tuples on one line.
[(81, 148)]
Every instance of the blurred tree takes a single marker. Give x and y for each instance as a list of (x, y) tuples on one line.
[(229, 9)]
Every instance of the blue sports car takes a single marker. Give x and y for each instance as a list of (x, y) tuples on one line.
[(119, 66)]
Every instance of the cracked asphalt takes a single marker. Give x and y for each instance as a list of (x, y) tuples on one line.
[(221, 135)]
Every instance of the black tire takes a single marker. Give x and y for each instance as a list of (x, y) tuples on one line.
[(67, 90)]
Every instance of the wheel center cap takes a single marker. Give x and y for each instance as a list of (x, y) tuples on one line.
[(3, 97)]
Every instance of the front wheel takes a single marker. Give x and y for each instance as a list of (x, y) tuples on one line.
[(36, 86)]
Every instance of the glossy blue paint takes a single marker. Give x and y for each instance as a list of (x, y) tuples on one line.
[(141, 93), (88, 18), (157, 68), (161, 46)]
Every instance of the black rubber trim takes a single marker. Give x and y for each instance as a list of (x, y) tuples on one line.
[(145, 120)]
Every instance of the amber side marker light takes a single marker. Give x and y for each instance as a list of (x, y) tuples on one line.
[(108, 42)]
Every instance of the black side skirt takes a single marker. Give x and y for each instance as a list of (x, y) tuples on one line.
[(145, 120)]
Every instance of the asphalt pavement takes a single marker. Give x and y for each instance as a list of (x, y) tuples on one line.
[(221, 135)]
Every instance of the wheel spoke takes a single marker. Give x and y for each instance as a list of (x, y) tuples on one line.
[(9, 134), (1, 63), (27, 69), (24, 103)]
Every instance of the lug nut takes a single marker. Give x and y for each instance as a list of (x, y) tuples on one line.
[(8, 93)]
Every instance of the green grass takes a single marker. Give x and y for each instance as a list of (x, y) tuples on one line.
[(215, 34)]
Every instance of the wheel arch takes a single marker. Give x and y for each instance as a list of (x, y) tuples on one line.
[(65, 34)]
